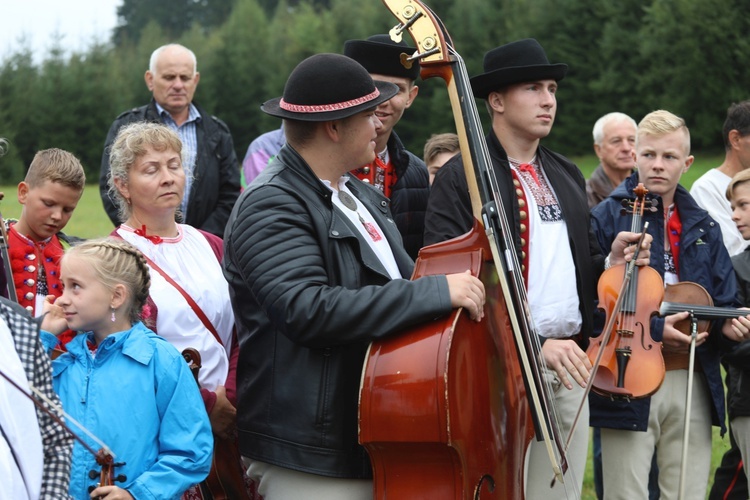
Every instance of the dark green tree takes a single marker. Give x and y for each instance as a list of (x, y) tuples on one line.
[(691, 66), (175, 17), (235, 71)]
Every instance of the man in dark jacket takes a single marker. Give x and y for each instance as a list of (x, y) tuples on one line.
[(690, 249), (211, 167), (315, 266), (397, 173), (544, 194)]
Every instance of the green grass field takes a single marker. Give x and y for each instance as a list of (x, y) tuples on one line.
[(90, 221)]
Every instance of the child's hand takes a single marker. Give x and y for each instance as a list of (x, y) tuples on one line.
[(111, 493), (54, 319)]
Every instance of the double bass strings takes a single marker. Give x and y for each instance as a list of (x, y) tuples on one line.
[(529, 346)]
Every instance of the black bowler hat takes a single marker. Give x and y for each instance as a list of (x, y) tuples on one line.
[(382, 56), (327, 87), (515, 62)]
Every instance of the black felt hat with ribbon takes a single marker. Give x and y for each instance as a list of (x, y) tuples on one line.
[(327, 87), (515, 62), (382, 56)]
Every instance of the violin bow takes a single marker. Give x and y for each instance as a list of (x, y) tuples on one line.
[(688, 403), (104, 457)]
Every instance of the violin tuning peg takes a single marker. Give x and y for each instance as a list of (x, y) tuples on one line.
[(91, 488), (121, 478), (93, 474)]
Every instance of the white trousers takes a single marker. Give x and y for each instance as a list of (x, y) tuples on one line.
[(279, 483), (538, 466), (626, 455)]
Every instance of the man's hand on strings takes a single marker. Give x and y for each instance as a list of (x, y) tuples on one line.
[(676, 341), (468, 292), (623, 249), (564, 357), (737, 329)]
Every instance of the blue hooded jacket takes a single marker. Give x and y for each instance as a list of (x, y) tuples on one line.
[(137, 396)]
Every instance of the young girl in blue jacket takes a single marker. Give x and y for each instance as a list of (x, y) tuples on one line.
[(126, 385)]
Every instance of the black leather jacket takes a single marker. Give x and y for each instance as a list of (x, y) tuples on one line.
[(216, 184), (309, 296)]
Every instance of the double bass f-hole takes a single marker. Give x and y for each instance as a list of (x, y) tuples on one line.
[(630, 361)]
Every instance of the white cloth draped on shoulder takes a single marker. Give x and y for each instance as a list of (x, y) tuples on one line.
[(21, 456), (189, 260)]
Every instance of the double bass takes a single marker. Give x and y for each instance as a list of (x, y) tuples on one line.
[(448, 409)]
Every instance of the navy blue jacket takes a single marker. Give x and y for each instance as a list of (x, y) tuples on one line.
[(409, 195), (702, 259)]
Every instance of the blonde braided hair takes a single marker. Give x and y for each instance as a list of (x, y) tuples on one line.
[(114, 262)]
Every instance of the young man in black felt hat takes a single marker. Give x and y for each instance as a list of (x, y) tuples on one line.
[(397, 173), (316, 270), (544, 195)]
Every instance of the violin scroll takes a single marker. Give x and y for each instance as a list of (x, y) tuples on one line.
[(106, 474), (193, 359)]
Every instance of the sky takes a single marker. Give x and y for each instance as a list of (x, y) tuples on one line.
[(79, 21)]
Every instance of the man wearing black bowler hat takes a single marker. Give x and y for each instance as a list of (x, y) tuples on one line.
[(544, 195), (396, 172), (316, 266)]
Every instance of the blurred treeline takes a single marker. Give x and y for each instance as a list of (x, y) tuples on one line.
[(687, 56)]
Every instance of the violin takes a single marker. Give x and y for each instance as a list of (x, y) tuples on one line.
[(630, 362), (692, 297)]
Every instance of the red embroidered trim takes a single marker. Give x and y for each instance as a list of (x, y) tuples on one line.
[(319, 108)]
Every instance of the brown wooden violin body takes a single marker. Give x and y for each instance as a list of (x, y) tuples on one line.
[(443, 408), (694, 297), (631, 364)]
